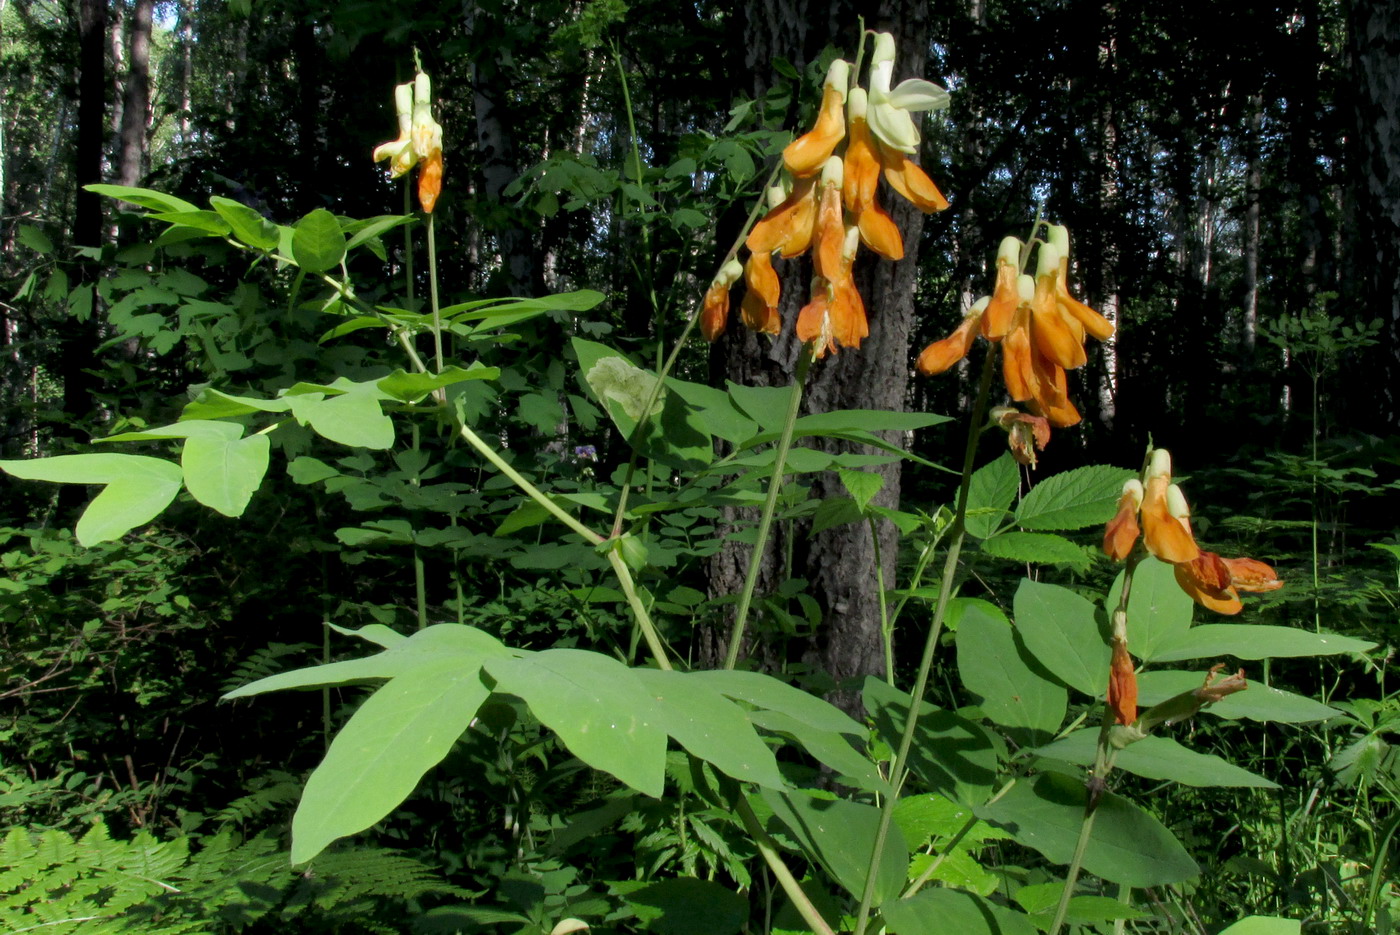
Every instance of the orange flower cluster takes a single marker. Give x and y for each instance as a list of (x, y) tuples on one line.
[(1041, 328), (828, 205), (1212, 581), (420, 140)]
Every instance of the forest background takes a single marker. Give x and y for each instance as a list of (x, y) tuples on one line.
[(1230, 174)]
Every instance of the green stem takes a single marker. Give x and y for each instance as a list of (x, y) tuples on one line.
[(789, 883), (433, 296), (899, 764), (1104, 754), (886, 626), (948, 848), (765, 522), (408, 244), (621, 512), (639, 608)]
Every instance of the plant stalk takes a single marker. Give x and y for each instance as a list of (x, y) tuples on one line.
[(899, 764), (765, 522)]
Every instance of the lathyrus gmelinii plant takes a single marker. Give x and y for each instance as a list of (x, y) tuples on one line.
[(902, 844)]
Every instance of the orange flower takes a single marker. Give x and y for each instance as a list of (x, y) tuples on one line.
[(1121, 533), (862, 177), (835, 316), (1007, 294), (940, 355), (1211, 581), (1166, 520), (760, 305), (1025, 434), (1122, 684), (828, 202), (809, 152), (787, 227), (1039, 338), (911, 181), (420, 140), (715, 315)]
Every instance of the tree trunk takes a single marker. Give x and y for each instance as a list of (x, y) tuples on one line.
[(839, 563), (1374, 38), (137, 97), (1253, 182), (495, 139)]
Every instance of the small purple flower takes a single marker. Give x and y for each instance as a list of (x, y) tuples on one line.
[(586, 453)]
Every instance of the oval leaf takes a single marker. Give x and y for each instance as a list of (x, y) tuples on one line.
[(317, 242)]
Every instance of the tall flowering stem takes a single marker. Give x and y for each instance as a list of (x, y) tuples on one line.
[(899, 765), (765, 523), (1104, 753)]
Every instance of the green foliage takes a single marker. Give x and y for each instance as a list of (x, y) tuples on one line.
[(96, 884)]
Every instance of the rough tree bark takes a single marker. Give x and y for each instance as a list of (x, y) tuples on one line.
[(839, 564), (495, 139), (136, 97), (1374, 40)]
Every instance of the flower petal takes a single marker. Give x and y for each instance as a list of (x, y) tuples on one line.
[(940, 355), (1121, 533), (1249, 574), (911, 181), (1207, 580), (1167, 537), (917, 94), (1122, 684)]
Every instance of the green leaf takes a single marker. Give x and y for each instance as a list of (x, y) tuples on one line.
[(1158, 758), (198, 223), (994, 667), (138, 489), (1264, 925), (33, 238), (224, 473), (212, 404), (467, 646), (764, 691), (829, 748), (145, 197), (411, 387), (992, 488), (710, 726), (350, 418), (1128, 845), (1159, 612), (861, 485), (1041, 548), (317, 242), (1060, 630), (715, 410), (597, 706), (1086, 496), (950, 754), (766, 405), (369, 228), (1252, 641), (840, 835), (403, 730), (1256, 703), (193, 428), (687, 906), (951, 911), (1041, 900), (248, 225)]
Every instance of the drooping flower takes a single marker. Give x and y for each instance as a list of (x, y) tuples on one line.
[(1211, 581), (419, 142), (1041, 336), (1025, 434), (808, 153), (827, 203), (1122, 684), (715, 315)]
